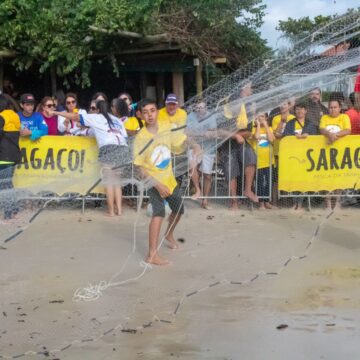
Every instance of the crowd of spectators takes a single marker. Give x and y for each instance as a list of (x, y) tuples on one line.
[(246, 140)]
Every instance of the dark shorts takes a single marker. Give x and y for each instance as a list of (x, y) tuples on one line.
[(240, 155), (175, 202)]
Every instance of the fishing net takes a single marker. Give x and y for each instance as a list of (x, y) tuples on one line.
[(71, 278)]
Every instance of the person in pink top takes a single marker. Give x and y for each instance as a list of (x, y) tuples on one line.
[(354, 113), (46, 106)]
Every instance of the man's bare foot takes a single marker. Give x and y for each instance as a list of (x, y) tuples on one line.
[(196, 195), (262, 206), (6, 222), (234, 205), (118, 212), (205, 205), (172, 244), (250, 195), (336, 206), (157, 260), (109, 214), (268, 206), (328, 204)]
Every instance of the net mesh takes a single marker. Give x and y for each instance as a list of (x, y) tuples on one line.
[(51, 251)]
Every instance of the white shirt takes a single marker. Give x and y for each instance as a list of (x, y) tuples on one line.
[(69, 129), (104, 134)]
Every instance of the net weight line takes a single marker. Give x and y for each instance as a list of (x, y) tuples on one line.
[(156, 319)]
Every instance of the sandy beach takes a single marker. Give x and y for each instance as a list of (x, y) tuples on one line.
[(244, 285)]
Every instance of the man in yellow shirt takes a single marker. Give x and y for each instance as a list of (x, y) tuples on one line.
[(172, 113), (152, 154), (334, 126)]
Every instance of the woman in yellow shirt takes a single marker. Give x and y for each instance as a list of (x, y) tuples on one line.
[(335, 125)]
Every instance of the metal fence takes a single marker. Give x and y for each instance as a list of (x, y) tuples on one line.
[(220, 186)]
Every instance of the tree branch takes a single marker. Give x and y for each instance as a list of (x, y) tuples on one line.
[(132, 35)]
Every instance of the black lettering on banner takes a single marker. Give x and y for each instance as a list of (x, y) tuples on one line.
[(73, 166), (58, 160), (346, 161), (35, 163), (357, 158), (333, 160), (82, 160), (23, 159), (322, 161), (312, 162), (49, 159)]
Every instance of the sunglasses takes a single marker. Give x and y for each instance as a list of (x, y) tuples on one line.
[(71, 102), (50, 105), (92, 108)]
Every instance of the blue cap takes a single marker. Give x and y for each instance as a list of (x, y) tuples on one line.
[(171, 99)]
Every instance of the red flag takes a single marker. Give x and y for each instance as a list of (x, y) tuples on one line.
[(357, 81)]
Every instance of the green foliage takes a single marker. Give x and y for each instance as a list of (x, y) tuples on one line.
[(296, 29), (56, 33)]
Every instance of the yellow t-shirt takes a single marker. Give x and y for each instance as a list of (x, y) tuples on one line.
[(132, 124), (178, 119), (335, 124), (11, 120), (263, 146), (275, 123), (242, 118), (155, 157)]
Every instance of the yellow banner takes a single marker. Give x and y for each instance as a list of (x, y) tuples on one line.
[(313, 165), (60, 164)]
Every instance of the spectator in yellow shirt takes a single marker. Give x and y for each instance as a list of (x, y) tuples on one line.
[(134, 123), (334, 126), (172, 113)]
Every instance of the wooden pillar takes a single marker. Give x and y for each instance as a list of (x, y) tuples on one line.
[(160, 89), (143, 84), (199, 80), (178, 86)]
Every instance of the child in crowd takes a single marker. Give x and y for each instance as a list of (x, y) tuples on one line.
[(33, 124), (262, 140)]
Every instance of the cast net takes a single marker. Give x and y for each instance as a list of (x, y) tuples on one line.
[(69, 279)]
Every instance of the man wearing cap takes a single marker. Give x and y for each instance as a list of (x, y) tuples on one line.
[(171, 113), (315, 108), (32, 123)]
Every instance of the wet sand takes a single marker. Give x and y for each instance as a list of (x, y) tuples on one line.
[(231, 300)]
